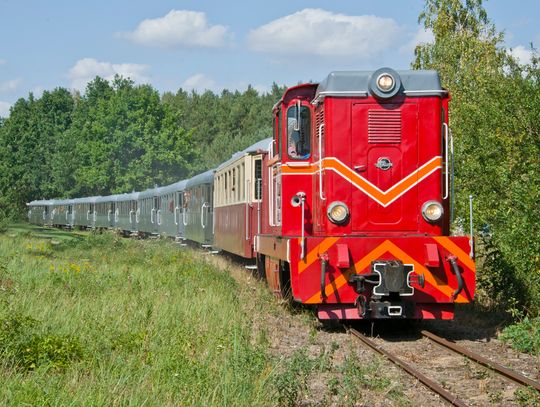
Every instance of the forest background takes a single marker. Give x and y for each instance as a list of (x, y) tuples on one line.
[(118, 137)]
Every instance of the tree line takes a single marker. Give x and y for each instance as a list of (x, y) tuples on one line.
[(118, 137)]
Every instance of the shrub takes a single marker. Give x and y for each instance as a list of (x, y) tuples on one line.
[(524, 336)]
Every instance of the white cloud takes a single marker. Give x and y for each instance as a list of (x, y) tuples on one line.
[(87, 69), (521, 54), (323, 33), (10, 86), (179, 28), (4, 109), (3, 61), (200, 83), (422, 36)]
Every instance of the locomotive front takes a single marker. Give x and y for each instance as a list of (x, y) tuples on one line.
[(357, 194)]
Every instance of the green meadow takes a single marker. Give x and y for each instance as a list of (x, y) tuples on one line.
[(101, 320)]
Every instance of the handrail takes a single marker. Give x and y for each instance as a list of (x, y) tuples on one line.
[(137, 215), (116, 215), (270, 196), (152, 215), (175, 215), (158, 217), (204, 205), (109, 215), (184, 216), (130, 213), (446, 155), (247, 207), (88, 214), (321, 126)]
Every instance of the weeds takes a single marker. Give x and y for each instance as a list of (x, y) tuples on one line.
[(24, 348), (524, 336)]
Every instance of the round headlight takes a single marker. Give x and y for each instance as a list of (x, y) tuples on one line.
[(432, 211), (385, 82), (338, 212)]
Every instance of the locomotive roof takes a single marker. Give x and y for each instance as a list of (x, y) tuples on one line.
[(356, 83), (261, 145), (204, 178)]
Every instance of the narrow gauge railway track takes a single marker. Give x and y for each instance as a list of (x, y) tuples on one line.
[(496, 367), (432, 384)]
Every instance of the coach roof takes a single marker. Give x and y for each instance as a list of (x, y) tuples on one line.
[(204, 178), (356, 83), (259, 146)]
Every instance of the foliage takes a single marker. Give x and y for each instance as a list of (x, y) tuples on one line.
[(496, 127), (28, 350), (120, 137), (524, 335)]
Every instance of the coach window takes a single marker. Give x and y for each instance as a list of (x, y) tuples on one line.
[(243, 183), (298, 134), (258, 179)]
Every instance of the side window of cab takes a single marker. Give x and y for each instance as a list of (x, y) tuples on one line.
[(298, 132)]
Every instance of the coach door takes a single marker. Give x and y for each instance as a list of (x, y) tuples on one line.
[(384, 149)]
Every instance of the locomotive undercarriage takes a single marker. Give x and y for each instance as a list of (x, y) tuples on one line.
[(387, 284)]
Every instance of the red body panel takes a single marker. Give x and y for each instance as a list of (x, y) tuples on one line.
[(231, 232)]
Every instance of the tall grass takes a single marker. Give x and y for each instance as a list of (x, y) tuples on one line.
[(109, 321)]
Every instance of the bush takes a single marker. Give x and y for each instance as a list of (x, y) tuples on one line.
[(21, 346), (524, 336)]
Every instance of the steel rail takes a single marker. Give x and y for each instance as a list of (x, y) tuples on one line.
[(496, 367), (437, 388)]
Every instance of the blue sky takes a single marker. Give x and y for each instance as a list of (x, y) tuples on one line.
[(211, 44)]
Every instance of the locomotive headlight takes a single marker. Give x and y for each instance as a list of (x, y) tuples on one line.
[(385, 82), (432, 211), (338, 212)]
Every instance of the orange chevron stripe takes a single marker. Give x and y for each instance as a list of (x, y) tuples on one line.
[(386, 246), (382, 197), (313, 255), (457, 251)]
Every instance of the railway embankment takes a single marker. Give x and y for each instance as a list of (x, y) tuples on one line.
[(98, 319)]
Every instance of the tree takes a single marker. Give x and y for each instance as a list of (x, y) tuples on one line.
[(496, 131)]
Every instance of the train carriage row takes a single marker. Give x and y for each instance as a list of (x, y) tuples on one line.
[(183, 210), (346, 207)]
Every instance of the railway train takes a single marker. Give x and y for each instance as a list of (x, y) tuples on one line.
[(346, 207)]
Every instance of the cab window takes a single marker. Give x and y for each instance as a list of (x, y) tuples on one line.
[(298, 134)]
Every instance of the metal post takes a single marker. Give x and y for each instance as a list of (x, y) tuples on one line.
[(471, 254)]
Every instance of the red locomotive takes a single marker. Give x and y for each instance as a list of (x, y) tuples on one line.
[(355, 199)]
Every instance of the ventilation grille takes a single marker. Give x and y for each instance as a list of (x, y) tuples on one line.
[(319, 119), (384, 126)]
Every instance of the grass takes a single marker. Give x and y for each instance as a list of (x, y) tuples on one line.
[(94, 319), (99, 320)]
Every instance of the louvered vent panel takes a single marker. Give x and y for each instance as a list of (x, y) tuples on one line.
[(319, 119), (384, 126)]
